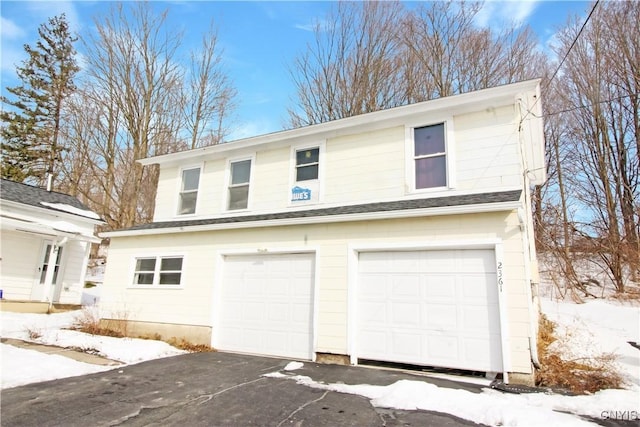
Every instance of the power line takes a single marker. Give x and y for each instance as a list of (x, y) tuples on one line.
[(575, 40), (564, 58), (579, 107)]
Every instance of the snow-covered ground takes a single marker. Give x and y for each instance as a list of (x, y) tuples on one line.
[(592, 328)]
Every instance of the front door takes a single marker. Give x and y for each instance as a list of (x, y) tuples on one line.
[(38, 291)]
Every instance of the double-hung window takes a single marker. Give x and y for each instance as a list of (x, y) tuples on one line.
[(307, 163), (240, 172), (158, 271), (189, 191), (430, 156)]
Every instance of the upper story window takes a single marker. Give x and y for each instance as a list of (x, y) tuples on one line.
[(153, 271), (240, 174), (307, 164), (189, 191), (430, 156)]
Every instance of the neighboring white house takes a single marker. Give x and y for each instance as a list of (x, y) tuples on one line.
[(44, 244), (403, 235)]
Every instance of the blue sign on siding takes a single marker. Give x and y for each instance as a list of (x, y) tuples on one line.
[(299, 194)]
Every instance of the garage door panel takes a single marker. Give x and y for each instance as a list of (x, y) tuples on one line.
[(376, 285), (441, 317), (405, 286), (437, 308), (440, 287), (405, 314), (264, 308), (406, 343)]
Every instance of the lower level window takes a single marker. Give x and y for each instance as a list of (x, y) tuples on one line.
[(152, 271)]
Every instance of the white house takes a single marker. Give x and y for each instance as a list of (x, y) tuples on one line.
[(44, 244), (403, 235)]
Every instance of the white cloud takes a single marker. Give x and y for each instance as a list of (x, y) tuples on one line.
[(256, 127), (322, 24), (8, 29), (495, 14), (41, 11)]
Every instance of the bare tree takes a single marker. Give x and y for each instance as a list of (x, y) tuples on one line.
[(451, 55), (208, 95), (599, 91), (372, 55), (136, 101), (353, 66)]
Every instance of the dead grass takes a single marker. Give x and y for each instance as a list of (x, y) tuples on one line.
[(88, 321), (183, 344), (34, 333), (580, 376)]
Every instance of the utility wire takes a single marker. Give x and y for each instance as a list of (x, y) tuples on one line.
[(575, 40), (564, 58), (579, 107)]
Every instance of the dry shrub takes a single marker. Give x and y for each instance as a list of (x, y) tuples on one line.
[(88, 321), (580, 376), (34, 333), (183, 344)]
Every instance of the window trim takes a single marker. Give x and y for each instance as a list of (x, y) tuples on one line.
[(179, 192), (227, 182), (321, 146), (157, 271), (449, 154)]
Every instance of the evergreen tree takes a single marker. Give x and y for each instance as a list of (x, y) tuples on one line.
[(31, 123)]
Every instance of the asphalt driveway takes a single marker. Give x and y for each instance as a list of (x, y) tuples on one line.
[(213, 389)]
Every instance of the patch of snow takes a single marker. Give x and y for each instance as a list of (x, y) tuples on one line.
[(50, 329), (21, 366), (292, 366), (275, 375), (489, 407), (598, 327), (70, 209)]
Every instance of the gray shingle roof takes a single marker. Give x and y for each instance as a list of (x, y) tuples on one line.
[(401, 205), (32, 196)]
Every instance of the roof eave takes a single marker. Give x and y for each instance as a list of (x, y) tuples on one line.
[(324, 219)]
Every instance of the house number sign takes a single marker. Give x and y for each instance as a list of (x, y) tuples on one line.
[(500, 275)]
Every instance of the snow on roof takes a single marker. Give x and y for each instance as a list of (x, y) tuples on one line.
[(70, 209), (39, 197)]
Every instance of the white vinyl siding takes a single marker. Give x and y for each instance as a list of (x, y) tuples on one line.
[(333, 243), (20, 258)]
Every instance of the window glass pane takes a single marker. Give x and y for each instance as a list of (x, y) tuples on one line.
[(431, 172), (305, 173), (240, 172), (188, 203), (59, 255), (145, 264), (238, 197), (170, 278), (190, 179), (171, 264), (311, 155), (143, 279), (429, 140)]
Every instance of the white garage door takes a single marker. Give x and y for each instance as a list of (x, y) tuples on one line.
[(432, 308), (266, 305)]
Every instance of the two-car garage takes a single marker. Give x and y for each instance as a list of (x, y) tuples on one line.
[(422, 307)]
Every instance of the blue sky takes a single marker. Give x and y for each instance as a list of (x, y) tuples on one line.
[(260, 40)]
